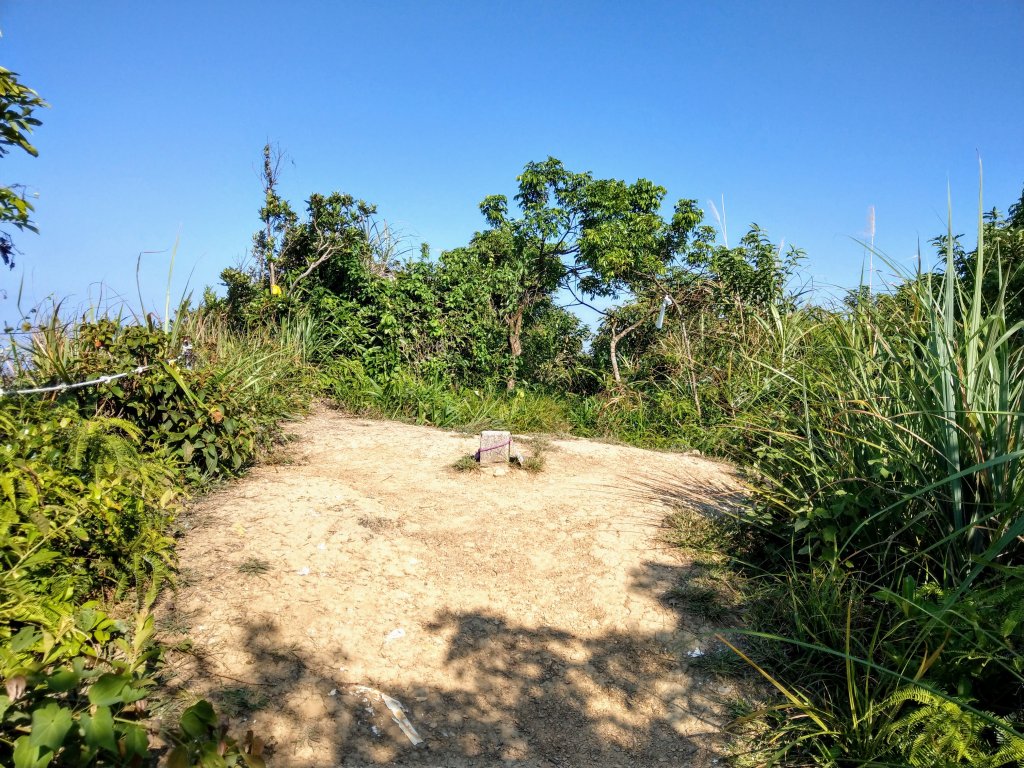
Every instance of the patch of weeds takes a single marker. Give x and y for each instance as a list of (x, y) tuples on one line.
[(253, 566), (740, 707), (707, 591), (174, 623), (534, 464), (699, 599), (694, 532), (378, 524), (279, 457), (534, 460), (537, 442), (187, 577), (750, 721), (467, 463), (312, 734)]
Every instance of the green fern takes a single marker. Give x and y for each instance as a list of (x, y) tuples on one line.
[(102, 440), (939, 732)]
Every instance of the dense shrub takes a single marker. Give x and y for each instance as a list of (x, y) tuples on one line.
[(888, 492), (90, 480)]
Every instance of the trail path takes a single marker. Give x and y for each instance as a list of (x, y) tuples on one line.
[(520, 619)]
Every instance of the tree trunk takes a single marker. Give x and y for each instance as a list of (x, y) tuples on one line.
[(612, 349), (515, 345), (614, 344)]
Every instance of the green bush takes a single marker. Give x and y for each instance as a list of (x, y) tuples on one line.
[(90, 479)]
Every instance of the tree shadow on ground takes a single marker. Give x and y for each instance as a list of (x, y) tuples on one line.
[(713, 499), (514, 694)]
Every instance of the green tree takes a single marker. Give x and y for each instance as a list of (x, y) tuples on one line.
[(479, 284), (17, 103), (277, 217), (754, 274), (333, 247), (597, 238), (1003, 238), (492, 286)]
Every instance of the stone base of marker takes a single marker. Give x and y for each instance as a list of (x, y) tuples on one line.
[(495, 447)]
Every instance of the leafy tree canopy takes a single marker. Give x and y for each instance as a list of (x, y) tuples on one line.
[(599, 237), (593, 237), (17, 103)]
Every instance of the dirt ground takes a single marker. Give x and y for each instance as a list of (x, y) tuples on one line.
[(520, 619)]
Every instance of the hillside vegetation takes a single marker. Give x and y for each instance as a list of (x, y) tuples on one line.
[(880, 560)]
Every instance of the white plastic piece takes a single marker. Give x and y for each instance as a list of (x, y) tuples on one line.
[(398, 715), (395, 709), (665, 303)]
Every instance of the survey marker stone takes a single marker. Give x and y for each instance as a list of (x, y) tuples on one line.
[(495, 447)]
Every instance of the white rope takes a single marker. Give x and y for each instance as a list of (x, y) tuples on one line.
[(92, 382)]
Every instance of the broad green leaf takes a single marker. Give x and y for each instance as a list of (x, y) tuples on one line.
[(99, 729), (198, 719), (25, 639), (133, 692), (209, 757), (50, 724), (135, 740), (108, 689), (178, 758), (29, 755), (63, 680)]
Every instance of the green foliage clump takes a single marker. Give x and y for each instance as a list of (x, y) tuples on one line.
[(406, 397), (18, 102), (80, 506), (90, 480), (1002, 266), (209, 414), (886, 457), (934, 731)]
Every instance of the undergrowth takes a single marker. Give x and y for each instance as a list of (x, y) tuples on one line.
[(90, 482), (874, 582), (880, 560)]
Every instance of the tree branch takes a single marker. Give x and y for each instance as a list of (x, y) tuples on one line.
[(582, 303), (324, 248)]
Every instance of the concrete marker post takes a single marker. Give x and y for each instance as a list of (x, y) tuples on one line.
[(495, 447)]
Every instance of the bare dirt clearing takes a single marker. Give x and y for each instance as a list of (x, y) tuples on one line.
[(519, 618)]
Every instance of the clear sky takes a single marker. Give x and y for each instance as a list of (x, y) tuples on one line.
[(801, 114)]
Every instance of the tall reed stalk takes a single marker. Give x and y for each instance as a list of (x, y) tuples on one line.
[(889, 479)]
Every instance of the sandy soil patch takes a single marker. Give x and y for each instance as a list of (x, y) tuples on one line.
[(520, 619)]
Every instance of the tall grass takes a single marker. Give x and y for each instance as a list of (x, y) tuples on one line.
[(889, 492), (629, 415)]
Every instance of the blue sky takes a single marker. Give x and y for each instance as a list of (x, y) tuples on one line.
[(801, 114)]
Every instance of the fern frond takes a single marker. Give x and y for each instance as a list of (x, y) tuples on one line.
[(939, 732)]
